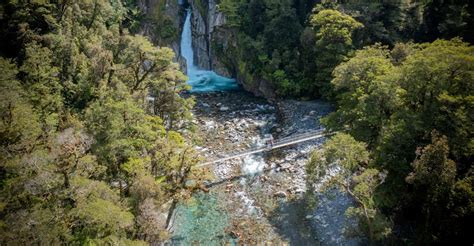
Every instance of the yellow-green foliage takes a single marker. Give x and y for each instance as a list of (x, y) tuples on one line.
[(84, 157)]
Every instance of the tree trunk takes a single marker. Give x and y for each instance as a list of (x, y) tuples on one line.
[(170, 213)]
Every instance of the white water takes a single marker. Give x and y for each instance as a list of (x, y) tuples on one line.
[(201, 80), (254, 164)]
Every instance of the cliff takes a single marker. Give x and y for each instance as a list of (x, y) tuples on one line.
[(214, 43), (162, 23), (208, 28), (215, 47)]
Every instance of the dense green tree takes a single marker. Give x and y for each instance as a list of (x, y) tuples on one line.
[(445, 19), (305, 70), (98, 212), (40, 78), (19, 125), (390, 22), (445, 201), (461, 210), (393, 100), (51, 194), (142, 63), (267, 34), (365, 100), (374, 223), (333, 42), (81, 146), (230, 8), (121, 128), (433, 176), (439, 85), (165, 30)]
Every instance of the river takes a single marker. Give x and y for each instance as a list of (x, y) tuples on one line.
[(259, 198)]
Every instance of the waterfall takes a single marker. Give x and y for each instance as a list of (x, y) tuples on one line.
[(186, 44), (201, 80)]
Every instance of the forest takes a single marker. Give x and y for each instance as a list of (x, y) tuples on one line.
[(98, 134)]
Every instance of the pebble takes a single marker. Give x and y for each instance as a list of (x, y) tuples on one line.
[(223, 108)]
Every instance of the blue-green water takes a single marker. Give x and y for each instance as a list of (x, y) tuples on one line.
[(201, 220), (206, 81)]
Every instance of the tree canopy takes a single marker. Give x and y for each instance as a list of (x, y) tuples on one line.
[(86, 156), (412, 105)]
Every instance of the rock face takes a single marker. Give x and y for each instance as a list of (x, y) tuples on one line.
[(208, 30), (216, 48), (201, 34), (172, 18), (214, 43)]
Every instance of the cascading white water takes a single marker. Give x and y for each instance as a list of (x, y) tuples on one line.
[(201, 80), (186, 43)]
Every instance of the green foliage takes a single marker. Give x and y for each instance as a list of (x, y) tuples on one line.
[(230, 8), (101, 217), (393, 100), (342, 150), (267, 42), (433, 177), (433, 168), (298, 61), (42, 83), (439, 83), (334, 28), (348, 159), (19, 125), (445, 20), (165, 30), (376, 225), (333, 42), (98, 210), (81, 144), (365, 101)]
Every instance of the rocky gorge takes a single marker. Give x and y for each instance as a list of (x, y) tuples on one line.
[(215, 47), (258, 198), (214, 42)]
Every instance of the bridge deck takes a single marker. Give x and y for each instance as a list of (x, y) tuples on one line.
[(278, 144)]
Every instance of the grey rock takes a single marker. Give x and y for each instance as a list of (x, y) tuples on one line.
[(280, 194), (223, 108), (299, 190)]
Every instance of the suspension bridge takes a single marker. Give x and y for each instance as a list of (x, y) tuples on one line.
[(280, 143)]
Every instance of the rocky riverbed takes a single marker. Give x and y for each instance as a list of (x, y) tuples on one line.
[(261, 198)]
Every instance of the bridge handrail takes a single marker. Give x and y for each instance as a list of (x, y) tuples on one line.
[(303, 135), (278, 142), (281, 141)]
